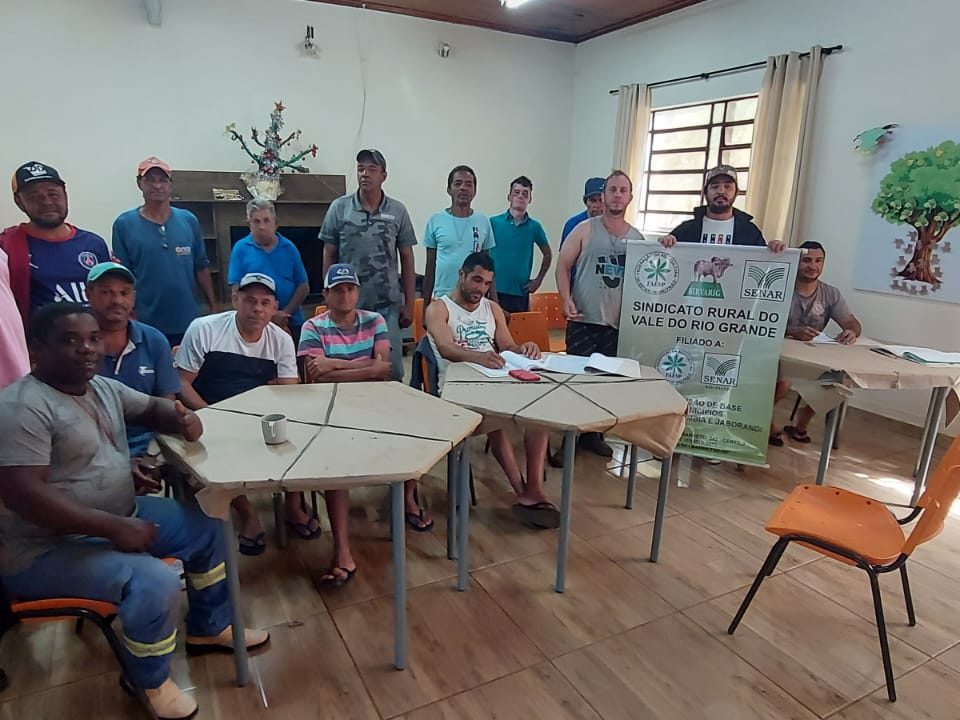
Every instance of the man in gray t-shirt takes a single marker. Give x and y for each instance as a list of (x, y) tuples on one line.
[(814, 305), (71, 523)]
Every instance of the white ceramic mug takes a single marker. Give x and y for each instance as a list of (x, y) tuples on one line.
[(274, 428)]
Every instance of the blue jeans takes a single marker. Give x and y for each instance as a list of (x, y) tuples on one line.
[(143, 587), (392, 316)]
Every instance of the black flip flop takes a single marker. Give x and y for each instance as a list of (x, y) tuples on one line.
[(796, 435), (255, 545), (413, 517), (775, 439), (303, 530), (330, 577), (542, 515)]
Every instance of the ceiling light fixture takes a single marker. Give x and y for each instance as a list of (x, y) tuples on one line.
[(512, 3)]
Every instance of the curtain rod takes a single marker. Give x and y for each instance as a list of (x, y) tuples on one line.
[(727, 71)]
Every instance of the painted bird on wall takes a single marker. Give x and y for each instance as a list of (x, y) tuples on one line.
[(869, 140)]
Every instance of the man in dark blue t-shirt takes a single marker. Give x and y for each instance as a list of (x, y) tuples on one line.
[(48, 258)]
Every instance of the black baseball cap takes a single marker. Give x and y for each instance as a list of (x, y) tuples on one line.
[(374, 156), (32, 172)]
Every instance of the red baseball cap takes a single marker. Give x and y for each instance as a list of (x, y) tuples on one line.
[(150, 163)]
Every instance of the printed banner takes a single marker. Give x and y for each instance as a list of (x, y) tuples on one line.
[(711, 319)]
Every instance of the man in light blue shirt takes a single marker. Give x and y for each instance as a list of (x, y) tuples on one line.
[(515, 233), (452, 234)]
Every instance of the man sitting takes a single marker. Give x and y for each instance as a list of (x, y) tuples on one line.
[(71, 524), (465, 326), (135, 354), (345, 344), (814, 305), (229, 353)]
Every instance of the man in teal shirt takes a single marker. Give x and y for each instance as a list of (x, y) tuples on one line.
[(515, 233)]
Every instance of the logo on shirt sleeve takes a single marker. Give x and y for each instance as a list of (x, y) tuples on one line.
[(87, 259)]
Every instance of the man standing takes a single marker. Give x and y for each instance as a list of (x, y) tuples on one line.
[(814, 305), (267, 252), (452, 234), (229, 353), (515, 233), (48, 259), (369, 231), (71, 524), (134, 354), (465, 326), (163, 247), (593, 201), (14, 361), (598, 250)]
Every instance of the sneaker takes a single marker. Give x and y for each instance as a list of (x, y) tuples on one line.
[(593, 442), (169, 702)]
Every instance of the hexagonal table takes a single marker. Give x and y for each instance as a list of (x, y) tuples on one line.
[(339, 435), (646, 412)]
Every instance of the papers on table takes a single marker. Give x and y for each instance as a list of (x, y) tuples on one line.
[(923, 356), (567, 364), (823, 339)]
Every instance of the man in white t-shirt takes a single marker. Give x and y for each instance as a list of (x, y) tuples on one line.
[(230, 353), (465, 326)]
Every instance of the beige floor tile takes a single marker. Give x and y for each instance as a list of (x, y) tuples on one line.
[(931, 692), (820, 653), (538, 692), (951, 658), (286, 593), (670, 669), (601, 599), (695, 565), (942, 553), (457, 641), (98, 697)]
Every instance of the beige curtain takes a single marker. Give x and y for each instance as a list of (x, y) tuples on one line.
[(781, 143), (630, 142)]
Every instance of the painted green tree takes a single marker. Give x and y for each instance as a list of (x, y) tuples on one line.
[(922, 190)]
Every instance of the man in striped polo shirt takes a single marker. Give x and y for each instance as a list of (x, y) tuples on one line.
[(345, 344)]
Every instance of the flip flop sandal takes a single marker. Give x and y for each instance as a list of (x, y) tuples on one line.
[(337, 576), (776, 439), (542, 515), (797, 435), (303, 529), (255, 545), (415, 520)]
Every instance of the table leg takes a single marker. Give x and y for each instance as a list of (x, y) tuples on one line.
[(463, 518), (836, 435), (279, 519), (829, 432), (453, 482), (232, 566), (398, 530), (937, 399), (927, 424), (632, 478), (666, 465), (569, 453)]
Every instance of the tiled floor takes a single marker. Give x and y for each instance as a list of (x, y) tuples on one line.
[(628, 640)]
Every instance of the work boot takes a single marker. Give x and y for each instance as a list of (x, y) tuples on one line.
[(169, 702)]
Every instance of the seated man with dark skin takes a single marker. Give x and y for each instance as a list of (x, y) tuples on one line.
[(71, 525), (465, 326)]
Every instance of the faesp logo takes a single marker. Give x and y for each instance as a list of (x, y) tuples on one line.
[(720, 370), (765, 280), (656, 273), (675, 365)]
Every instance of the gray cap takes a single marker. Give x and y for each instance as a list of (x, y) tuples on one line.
[(719, 170)]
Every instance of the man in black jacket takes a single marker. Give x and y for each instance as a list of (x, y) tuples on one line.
[(719, 222)]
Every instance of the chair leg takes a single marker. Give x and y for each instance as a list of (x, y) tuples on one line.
[(907, 596), (473, 490), (118, 652), (882, 632), (776, 552), (796, 406), (314, 502), (279, 519)]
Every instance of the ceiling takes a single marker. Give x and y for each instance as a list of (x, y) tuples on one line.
[(567, 20)]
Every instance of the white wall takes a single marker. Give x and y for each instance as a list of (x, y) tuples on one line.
[(895, 67), (92, 89)]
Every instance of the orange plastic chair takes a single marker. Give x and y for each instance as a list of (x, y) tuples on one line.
[(862, 532), (320, 310), (530, 327), (419, 330), (552, 307)]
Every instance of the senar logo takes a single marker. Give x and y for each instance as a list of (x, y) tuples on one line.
[(720, 370), (765, 280)]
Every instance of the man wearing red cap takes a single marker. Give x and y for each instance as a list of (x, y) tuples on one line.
[(48, 259), (163, 247)]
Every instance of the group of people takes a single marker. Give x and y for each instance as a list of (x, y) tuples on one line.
[(118, 350)]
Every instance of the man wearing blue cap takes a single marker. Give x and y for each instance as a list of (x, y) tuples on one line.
[(593, 201)]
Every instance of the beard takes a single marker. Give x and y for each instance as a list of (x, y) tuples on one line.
[(615, 212), (719, 206), (48, 224)]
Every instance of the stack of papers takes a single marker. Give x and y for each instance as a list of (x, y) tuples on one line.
[(924, 356), (596, 364)]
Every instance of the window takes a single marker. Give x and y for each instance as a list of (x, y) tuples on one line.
[(682, 144)]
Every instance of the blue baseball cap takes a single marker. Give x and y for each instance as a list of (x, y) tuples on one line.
[(593, 186), (340, 273), (101, 269)]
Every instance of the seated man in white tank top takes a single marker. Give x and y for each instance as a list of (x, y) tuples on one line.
[(467, 327)]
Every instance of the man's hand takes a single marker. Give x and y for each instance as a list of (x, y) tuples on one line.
[(281, 318), (190, 426), (570, 310), (776, 246), (847, 337), (146, 477), (406, 315), (133, 535), (668, 241), (382, 369), (804, 333), (530, 350), (490, 359), (533, 285)]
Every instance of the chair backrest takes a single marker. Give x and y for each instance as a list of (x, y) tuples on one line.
[(551, 306), (942, 489), (418, 329), (321, 309), (530, 327)]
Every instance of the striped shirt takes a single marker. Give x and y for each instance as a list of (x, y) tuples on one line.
[(323, 337)]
